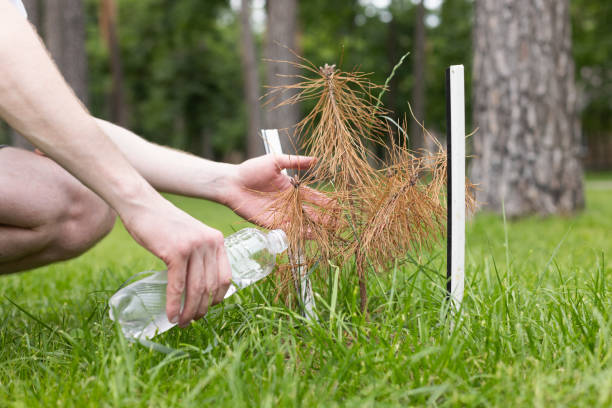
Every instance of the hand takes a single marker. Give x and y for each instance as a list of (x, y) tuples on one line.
[(193, 252), (263, 175)]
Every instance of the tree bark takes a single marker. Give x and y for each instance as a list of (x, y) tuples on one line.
[(64, 22), (34, 13), (108, 25), (255, 145), (392, 94), (281, 36), (418, 76), (527, 153), (34, 16)]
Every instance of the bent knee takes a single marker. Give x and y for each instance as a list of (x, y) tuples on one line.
[(84, 221), (59, 216)]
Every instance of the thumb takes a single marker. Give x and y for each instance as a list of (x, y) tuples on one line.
[(288, 161)]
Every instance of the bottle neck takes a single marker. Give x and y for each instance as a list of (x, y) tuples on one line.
[(277, 241)]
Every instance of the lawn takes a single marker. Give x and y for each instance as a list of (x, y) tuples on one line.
[(536, 329)]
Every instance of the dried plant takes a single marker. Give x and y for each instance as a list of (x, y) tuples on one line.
[(407, 214), (337, 129), (312, 221), (372, 215)]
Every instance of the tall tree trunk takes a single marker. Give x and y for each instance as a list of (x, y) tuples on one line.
[(418, 75), (65, 38), (108, 25), (34, 16), (251, 83), (34, 13), (527, 151), (281, 34), (392, 59)]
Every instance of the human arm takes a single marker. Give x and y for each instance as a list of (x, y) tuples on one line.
[(36, 101), (239, 187), (170, 170)]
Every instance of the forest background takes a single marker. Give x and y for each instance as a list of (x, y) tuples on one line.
[(176, 73)]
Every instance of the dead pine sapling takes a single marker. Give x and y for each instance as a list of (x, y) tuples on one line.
[(370, 214)]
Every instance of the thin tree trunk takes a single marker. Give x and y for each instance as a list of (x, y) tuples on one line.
[(33, 9), (34, 12), (392, 59), (281, 36), (74, 54), (65, 38), (418, 74), (255, 145), (527, 151), (391, 98), (108, 24), (53, 28)]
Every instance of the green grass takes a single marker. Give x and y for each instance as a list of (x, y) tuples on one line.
[(535, 330)]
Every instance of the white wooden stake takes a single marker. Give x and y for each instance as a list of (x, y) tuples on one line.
[(300, 274), (455, 120)]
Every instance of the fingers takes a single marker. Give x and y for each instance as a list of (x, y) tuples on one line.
[(197, 290), (177, 271), (203, 276), (210, 281), (225, 275), (317, 198), (323, 210), (288, 161)]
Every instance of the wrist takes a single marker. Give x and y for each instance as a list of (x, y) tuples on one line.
[(220, 183), (132, 196)]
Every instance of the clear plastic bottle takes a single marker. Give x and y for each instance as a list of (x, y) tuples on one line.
[(140, 307)]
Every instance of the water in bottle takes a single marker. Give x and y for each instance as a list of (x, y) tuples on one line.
[(140, 308)]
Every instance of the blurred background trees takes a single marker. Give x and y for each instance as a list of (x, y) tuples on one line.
[(281, 41), (64, 34), (180, 72), (250, 75)]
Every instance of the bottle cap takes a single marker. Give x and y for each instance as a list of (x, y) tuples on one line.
[(277, 239)]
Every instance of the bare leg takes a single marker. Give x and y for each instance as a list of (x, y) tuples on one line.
[(46, 215)]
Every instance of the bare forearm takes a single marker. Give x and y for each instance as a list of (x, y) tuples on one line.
[(171, 170), (36, 101)]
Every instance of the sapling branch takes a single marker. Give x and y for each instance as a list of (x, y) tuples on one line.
[(370, 215)]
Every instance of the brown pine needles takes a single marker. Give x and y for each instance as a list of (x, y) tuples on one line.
[(371, 215)]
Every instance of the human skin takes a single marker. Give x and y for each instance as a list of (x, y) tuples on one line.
[(36, 101), (47, 215)]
